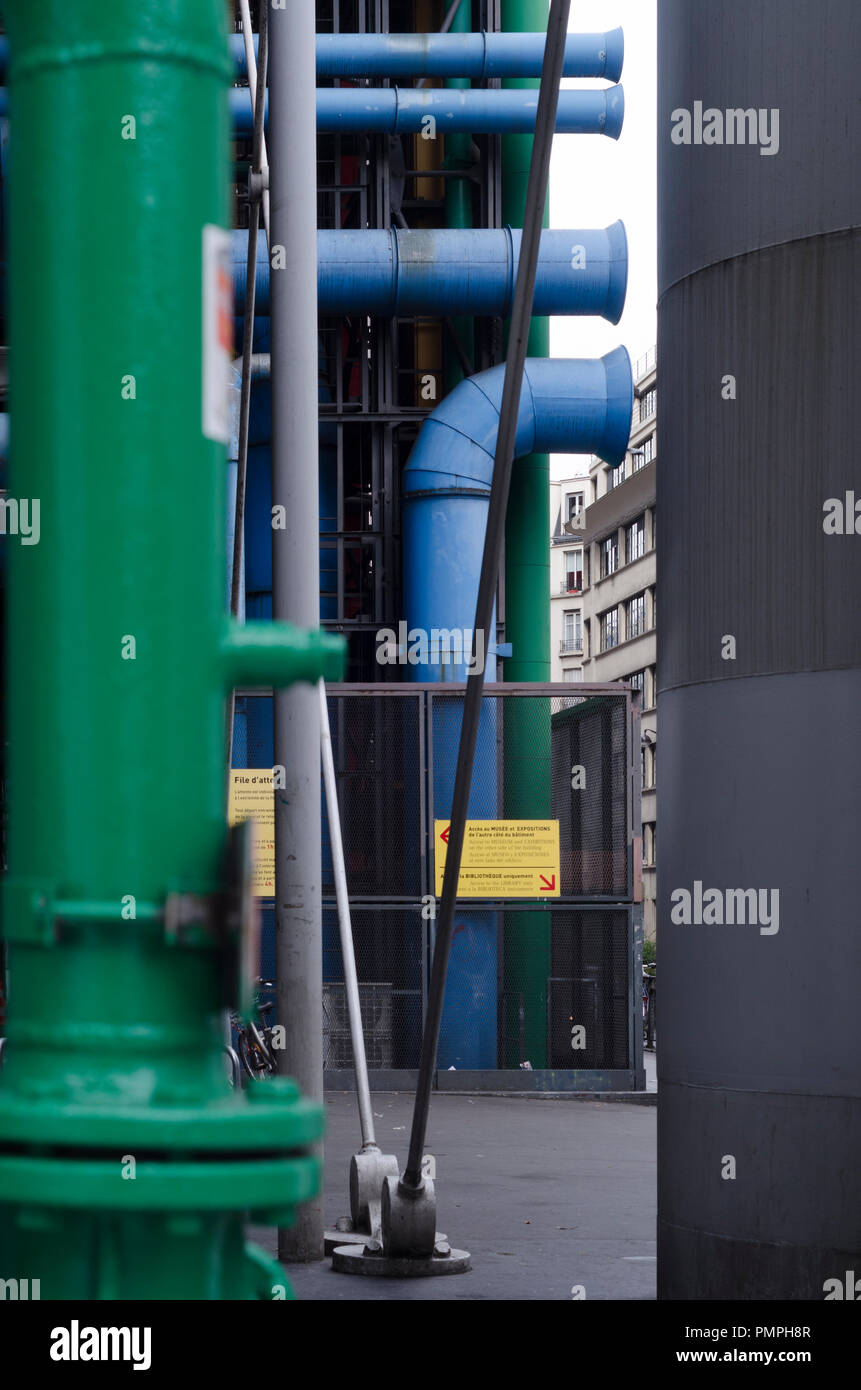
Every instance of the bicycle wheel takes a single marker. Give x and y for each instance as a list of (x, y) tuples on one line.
[(254, 1060)]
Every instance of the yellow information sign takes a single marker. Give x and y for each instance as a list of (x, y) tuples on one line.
[(252, 798), (503, 858)]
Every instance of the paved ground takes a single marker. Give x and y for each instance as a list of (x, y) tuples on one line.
[(544, 1193)]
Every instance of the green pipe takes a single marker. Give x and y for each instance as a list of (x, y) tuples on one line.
[(458, 204), (527, 627), (127, 1164)]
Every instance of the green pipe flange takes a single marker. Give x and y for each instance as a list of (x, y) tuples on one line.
[(268, 1188), (276, 1118), (223, 1126)]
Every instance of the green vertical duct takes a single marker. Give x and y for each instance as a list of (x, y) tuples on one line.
[(527, 628), (458, 201), (127, 1164)]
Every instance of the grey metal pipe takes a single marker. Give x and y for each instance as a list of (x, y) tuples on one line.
[(296, 566), (342, 898)]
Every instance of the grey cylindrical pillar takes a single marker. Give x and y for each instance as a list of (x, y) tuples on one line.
[(295, 560), (759, 662)]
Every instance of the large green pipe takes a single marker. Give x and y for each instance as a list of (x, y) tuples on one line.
[(527, 628), (126, 1163)]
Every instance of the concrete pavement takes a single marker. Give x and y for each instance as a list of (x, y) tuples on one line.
[(546, 1194)]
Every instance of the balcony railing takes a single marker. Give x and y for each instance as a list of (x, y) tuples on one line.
[(572, 584), (571, 646)]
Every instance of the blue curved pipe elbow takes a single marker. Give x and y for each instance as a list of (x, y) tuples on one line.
[(407, 110), (566, 406), (453, 272)]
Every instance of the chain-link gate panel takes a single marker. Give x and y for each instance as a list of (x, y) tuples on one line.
[(542, 986), (378, 748)]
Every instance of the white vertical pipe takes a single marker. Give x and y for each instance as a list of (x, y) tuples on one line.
[(351, 982), (251, 65)]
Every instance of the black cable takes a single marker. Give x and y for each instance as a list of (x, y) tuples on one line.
[(521, 313)]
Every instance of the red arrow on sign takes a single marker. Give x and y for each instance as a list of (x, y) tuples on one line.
[(444, 834), (548, 886)]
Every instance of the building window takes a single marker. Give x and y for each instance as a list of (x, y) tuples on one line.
[(649, 843), (571, 674), (573, 571), (643, 782), (609, 555), (654, 594), (609, 629), (636, 608), (615, 476), (648, 450), (638, 682), (654, 527), (575, 506), (572, 632), (648, 403), (635, 540), (650, 698)]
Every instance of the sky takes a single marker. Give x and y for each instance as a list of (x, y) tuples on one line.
[(594, 181)]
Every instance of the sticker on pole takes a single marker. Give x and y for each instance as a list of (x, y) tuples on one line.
[(502, 858), (252, 797), (217, 333)]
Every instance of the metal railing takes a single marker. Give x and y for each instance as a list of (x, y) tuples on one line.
[(645, 364)]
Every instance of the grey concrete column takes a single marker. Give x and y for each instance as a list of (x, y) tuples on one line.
[(295, 558), (759, 660)]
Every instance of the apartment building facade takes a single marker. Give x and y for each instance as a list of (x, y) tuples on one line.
[(619, 593), (568, 501)]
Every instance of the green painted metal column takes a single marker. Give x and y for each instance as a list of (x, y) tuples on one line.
[(527, 628), (127, 1163)]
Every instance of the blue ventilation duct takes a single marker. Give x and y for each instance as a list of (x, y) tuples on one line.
[(480, 55), (566, 406), (405, 110), (445, 55), (453, 272), (573, 406)]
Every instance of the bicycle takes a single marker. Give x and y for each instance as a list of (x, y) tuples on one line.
[(649, 977), (254, 1048)]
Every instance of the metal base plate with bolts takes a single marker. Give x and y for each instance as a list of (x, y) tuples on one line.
[(407, 1244), (337, 1238), (358, 1259)]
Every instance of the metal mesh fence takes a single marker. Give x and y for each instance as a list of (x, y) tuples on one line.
[(545, 985), (531, 985), (378, 749)]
